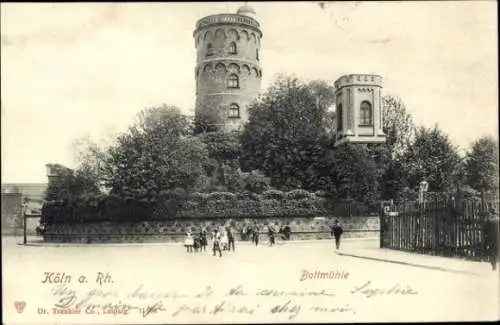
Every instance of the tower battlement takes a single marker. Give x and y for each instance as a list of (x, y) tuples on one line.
[(227, 19), (358, 80)]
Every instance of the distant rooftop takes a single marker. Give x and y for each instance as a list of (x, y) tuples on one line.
[(34, 190)]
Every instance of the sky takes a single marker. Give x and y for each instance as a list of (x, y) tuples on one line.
[(76, 70)]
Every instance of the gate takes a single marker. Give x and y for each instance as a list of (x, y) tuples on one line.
[(444, 228)]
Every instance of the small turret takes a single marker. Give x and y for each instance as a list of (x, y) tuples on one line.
[(246, 11)]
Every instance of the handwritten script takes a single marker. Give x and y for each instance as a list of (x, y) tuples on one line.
[(208, 301)]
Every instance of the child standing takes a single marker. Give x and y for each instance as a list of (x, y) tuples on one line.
[(189, 242)]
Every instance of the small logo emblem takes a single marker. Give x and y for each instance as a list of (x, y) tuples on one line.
[(20, 306)]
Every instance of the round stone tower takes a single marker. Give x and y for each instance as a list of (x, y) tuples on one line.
[(228, 73)]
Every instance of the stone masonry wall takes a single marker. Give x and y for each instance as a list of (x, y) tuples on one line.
[(174, 230)]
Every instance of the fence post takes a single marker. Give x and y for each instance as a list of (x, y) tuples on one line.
[(25, 240), (482, 219), (381, 226)]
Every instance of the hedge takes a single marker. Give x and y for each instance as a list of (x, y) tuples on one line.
[(297, 203)]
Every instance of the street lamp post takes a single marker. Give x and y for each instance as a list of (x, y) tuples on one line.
[(424, 186)]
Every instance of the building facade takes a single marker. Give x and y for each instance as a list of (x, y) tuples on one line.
[(359, 109), (15, 197), (228, 73)]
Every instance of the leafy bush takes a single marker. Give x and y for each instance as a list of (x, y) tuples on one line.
[(273, 194), (437, 196), (298, 194), (248, 196), (320, 193), (221, 196), (198, 197)]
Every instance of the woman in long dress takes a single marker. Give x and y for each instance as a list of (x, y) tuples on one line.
[(224, 240)]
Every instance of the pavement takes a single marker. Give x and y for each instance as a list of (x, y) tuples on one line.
[(370, 250), (362, 248)]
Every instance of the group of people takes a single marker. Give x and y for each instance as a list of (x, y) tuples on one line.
[(253, 233), (223, 240), (197, 242)]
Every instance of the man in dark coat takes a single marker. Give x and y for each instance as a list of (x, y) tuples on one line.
[(337, 232), (490, 233), (255, 234), (203, 240), (287, 232)]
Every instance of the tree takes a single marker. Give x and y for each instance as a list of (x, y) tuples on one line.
[(68, 184), (157, 153), (235, 181), (432, 157), (394, 180), (208, 117), (255, 182), (400, 129), (223, 152), (91, 159), (356, 173), (331, 124), (284, 132), (222, 146), (481, 165), (397, 125)]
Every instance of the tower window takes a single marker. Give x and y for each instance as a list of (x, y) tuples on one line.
[(339, 117), (234, 110), (365, 113), (232, 48), (210, 50), (233, 81), (257, 54)]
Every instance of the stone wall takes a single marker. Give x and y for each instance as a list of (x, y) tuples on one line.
[(174, 230)]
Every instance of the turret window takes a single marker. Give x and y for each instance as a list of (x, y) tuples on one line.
[(339, 117), (232, 48), (365, 113), (233, 81), (234, 110), (210, 50)]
